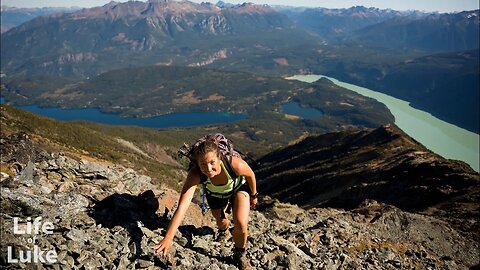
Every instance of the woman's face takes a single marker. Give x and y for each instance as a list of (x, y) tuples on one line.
[(209, 164)]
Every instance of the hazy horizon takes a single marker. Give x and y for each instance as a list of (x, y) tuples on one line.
[(422, 5)]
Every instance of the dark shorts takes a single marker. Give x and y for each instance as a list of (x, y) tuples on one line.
[(219, 203)]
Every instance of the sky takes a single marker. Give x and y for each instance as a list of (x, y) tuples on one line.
[(423, 5)]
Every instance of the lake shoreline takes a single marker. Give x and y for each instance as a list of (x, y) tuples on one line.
[(449, 141), (176, 119)]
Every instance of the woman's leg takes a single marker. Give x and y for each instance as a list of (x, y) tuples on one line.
[(241, 211), (218, 206), (222, 220)]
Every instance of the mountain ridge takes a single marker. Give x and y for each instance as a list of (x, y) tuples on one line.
[(332, 24), (435, 33), (343, 169), (12, 16)]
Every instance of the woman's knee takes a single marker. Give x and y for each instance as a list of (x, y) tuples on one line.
[(240, 217), (241, 223)]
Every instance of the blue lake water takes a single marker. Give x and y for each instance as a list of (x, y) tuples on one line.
[(294, 108), (182, 119), (443, 138)]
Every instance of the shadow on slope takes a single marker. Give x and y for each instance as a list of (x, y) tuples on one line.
[(134, 212), (130, 212)]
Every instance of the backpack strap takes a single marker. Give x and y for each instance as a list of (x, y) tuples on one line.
[(204, 206), (227, 162), (203, 181)]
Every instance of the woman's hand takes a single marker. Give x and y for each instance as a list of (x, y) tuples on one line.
[(253, 200), (163, 248), (193, 179)]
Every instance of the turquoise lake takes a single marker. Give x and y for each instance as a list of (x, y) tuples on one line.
[(443, 138)]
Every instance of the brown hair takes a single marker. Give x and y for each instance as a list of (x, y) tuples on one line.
[(209, 145)]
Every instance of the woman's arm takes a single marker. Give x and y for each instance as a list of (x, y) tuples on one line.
[(242, 168), (188, 190)]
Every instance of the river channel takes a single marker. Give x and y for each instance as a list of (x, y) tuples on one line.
[(443, 138)]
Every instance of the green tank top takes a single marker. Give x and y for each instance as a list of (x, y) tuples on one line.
[(225, 191)]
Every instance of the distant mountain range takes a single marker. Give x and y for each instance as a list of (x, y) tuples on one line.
[(386, 28), (435, 32), (333, 24), (92, 41), (12, 17)]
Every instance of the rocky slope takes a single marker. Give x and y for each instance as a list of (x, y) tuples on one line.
[(109, 216)]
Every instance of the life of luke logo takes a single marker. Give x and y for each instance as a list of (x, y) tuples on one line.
[(32, 230)]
